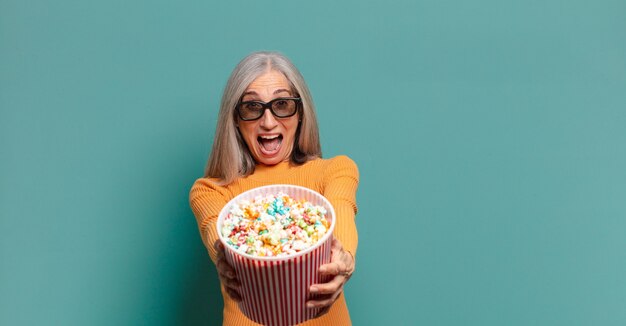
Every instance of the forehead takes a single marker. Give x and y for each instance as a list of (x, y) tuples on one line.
[(269, 81)]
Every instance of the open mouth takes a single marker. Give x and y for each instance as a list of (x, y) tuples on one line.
[(270, 144)]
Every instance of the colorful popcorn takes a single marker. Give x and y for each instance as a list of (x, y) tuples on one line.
[(274, 226)]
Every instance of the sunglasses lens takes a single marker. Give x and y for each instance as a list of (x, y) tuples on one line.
[(284, 107), (251, 110), (280, 107)]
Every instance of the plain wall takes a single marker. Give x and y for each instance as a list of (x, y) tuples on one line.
[(490, 137)]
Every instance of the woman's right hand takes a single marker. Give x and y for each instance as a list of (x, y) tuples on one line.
[(227, 273)]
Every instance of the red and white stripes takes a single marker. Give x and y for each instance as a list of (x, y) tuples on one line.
[(275, 292), (275, 289)]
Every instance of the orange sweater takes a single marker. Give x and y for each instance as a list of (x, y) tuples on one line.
[(337, 179)]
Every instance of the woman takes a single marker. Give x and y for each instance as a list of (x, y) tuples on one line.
[(267, 134)]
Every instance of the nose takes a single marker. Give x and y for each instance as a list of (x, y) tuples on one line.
[(268, 121)]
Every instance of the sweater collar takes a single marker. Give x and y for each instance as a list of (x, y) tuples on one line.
[(280, 167)]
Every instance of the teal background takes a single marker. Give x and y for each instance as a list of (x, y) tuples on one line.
[(490, 137)]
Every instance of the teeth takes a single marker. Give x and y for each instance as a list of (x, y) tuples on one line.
[(269, 137)]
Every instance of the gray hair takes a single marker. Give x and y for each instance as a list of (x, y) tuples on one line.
[(230, 157)]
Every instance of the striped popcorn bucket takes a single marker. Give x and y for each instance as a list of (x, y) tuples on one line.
[(275, 289)]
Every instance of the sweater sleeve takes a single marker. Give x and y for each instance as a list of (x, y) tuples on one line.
[(207, 200), (341, 180)]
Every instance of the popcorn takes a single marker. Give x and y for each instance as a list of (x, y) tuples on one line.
[(274, 226), (298, 236)]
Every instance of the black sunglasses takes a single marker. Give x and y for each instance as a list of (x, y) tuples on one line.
[(282, 107)]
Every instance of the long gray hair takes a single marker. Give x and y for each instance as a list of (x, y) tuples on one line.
[(230, 157)]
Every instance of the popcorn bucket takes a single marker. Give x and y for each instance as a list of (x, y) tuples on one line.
[(275, 289)]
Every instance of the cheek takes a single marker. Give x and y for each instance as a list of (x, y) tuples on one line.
[(292, 127), (246, 133)]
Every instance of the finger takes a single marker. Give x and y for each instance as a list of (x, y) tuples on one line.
[(219, 255), (335, 247), (218, 245), (324, 301), (231, 283), (234, 294), (333, 286), (223, 266), (225, 270), (348, 264), (335, 268), (323, 311)]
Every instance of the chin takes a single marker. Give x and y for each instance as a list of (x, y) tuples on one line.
[(270, 161), (273, 160)]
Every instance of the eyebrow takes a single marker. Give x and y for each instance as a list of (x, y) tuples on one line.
[(280, 90)]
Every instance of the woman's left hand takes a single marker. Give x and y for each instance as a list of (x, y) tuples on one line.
[(341, 266)]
